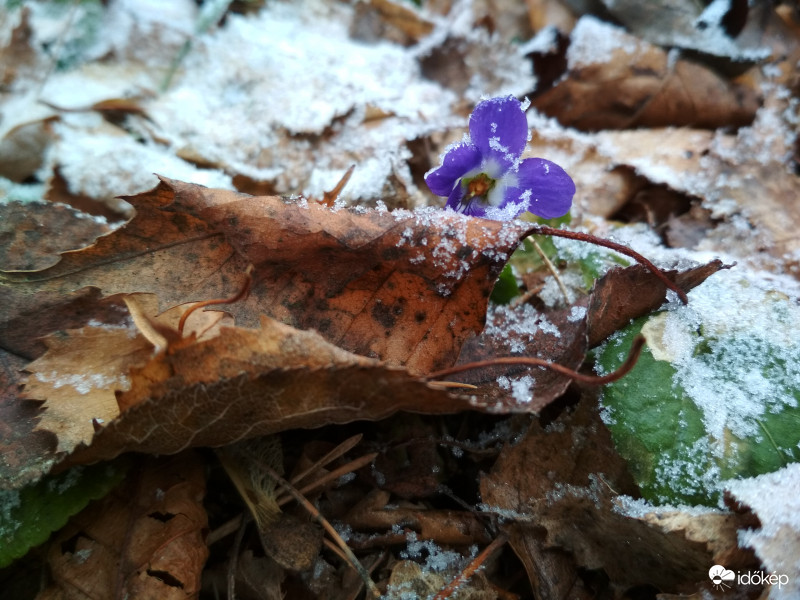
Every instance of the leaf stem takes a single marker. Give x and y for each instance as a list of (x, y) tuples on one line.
[(624, 368), (598, 241), (245, 289)]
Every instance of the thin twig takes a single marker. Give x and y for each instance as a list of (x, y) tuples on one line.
[(312, 510), (332, 476), (340, 450), (592, 239), (335, 549), (228, 527), (624, 368), (475, 564), (354, 594)]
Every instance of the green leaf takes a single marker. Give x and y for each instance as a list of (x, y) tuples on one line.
[(714, 396), (28, 516), (506, 288)]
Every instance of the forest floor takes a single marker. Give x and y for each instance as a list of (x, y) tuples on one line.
[(309, 437)]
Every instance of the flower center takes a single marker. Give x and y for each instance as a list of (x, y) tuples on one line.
[(478, 186)]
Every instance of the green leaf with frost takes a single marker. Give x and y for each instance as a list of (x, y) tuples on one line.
[(28, 516), (715, 394), (579, 264)]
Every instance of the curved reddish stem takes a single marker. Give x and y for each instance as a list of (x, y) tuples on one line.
[(243, 291), (598, 241), (624, 368)]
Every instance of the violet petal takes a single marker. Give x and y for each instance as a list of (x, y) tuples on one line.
[(545, 185), (458, 160), (455, 197), (499, 129)]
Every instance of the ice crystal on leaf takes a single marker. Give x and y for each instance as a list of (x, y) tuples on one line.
[(484, 176)]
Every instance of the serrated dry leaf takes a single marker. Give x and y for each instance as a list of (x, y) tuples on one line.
[(83, 372), (79, 377), (145, 540)]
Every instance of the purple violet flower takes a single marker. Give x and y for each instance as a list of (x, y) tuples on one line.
[(483, 176)]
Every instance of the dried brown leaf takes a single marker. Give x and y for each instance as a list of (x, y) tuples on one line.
[(745, 179), (625, 294), (145, 540), (388, 20), (567, 479), (79, 377), (25, 454), (32, 235), (406, 288), (639, 85), (83, 371), (245, 383), (521, 331)]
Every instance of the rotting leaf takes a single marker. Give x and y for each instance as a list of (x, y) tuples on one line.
[(567, 479), (145, 540)]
